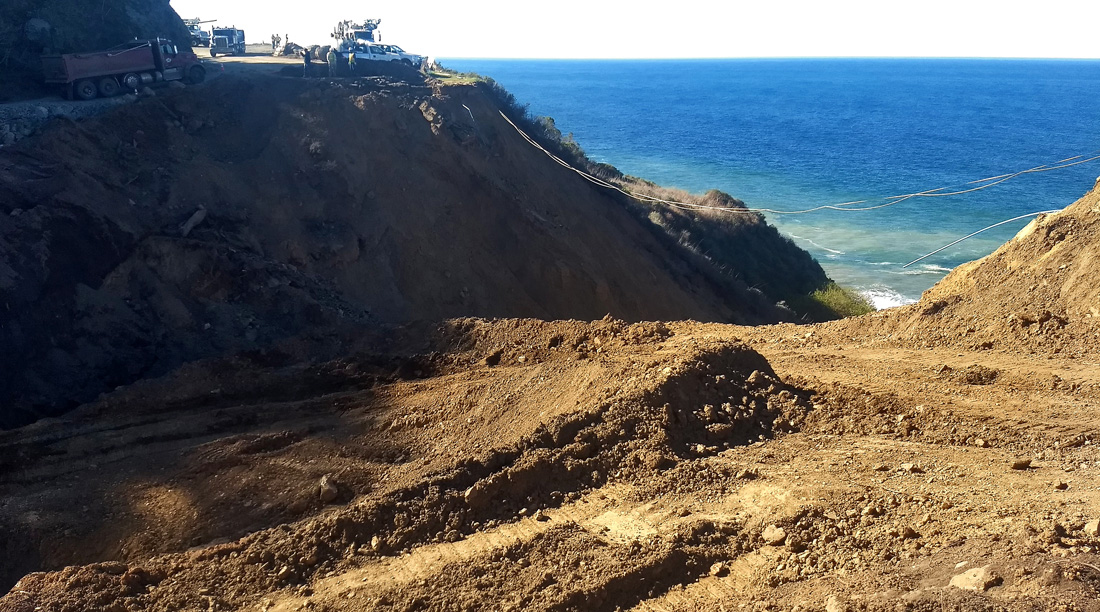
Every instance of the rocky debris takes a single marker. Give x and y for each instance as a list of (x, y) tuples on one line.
[(1092, 528), (1021, 464), (21, 120), (192, 221), (773, 535), (719, 570), (835, 604), (328, 490), (911, 468), (976, 579)]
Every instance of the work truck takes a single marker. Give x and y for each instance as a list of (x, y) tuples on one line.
[(127, 67), (226, 41), (199, 36)]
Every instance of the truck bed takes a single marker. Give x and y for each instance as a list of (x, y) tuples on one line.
[(75, 66)]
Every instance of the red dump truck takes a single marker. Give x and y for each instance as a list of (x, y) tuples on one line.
[(126, 67)]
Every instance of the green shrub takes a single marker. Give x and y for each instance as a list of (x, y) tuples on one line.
[(834, 302)]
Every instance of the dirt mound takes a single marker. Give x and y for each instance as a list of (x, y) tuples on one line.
[(500, 420), (251, 212), (1035, 294), (518, 465)]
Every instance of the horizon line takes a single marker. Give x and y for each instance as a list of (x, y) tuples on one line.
[(779, 57)]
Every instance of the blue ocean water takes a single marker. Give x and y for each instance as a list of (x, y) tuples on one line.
[(791, 134)]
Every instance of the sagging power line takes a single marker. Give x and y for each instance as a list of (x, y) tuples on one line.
[(939, 192)]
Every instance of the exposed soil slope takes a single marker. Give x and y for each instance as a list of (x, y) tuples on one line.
[(524, 465), (943, 456), (1039, 293), (255, 210)]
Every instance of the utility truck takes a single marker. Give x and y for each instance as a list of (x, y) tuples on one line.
[(351, 32), (126, 67), (199, 36), (227, 41)]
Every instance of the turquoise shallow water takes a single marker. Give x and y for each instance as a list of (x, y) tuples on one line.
[(792, 134)]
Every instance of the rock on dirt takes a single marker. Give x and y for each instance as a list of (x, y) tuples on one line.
[(774, 535), (835, 604), (1021, 464), (328, 490), (976, 579)]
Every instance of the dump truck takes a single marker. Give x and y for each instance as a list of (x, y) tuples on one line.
[(226, 41), (129, 66)]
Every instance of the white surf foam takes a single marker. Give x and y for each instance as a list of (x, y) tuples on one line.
[(882, 297)]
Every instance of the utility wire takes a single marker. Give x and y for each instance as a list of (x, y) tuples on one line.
[(939, 192), (947, 246), (844, 206)]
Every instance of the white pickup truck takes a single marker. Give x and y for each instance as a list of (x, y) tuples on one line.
[(383, 53)]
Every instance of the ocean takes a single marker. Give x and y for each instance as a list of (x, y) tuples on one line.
[(792, 134)]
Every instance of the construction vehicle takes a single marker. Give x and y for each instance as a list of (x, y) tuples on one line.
[(349, 33), (126, 67), (227, 41), (199, 36)]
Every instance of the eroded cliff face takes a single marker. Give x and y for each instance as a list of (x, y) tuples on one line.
[(30, 27), (255, 212)]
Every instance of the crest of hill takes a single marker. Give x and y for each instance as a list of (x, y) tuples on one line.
[(255, 213), (1038, 293)]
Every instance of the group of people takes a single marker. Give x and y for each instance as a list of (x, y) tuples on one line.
[(277, 41), (333, 60)]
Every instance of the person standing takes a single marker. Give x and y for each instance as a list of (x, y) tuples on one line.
[(305, 63), (351, 62), (332, 58), (274, 42)]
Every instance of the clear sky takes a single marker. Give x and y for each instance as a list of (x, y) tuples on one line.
[(685, 28)]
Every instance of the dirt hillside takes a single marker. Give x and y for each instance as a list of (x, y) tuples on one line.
[(1037, 294), (525, 465), (257, 211), (266, 269)]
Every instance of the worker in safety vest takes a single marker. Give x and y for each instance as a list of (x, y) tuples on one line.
[(332, 58), (351, 62)]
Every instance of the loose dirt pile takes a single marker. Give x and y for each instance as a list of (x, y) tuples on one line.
[(263, 212), (1038, 294), (566, 466)]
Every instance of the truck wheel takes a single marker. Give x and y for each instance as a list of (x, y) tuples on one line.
[(408, 62), (108, 87), (85, 90), (196, 75), (131, 81)]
